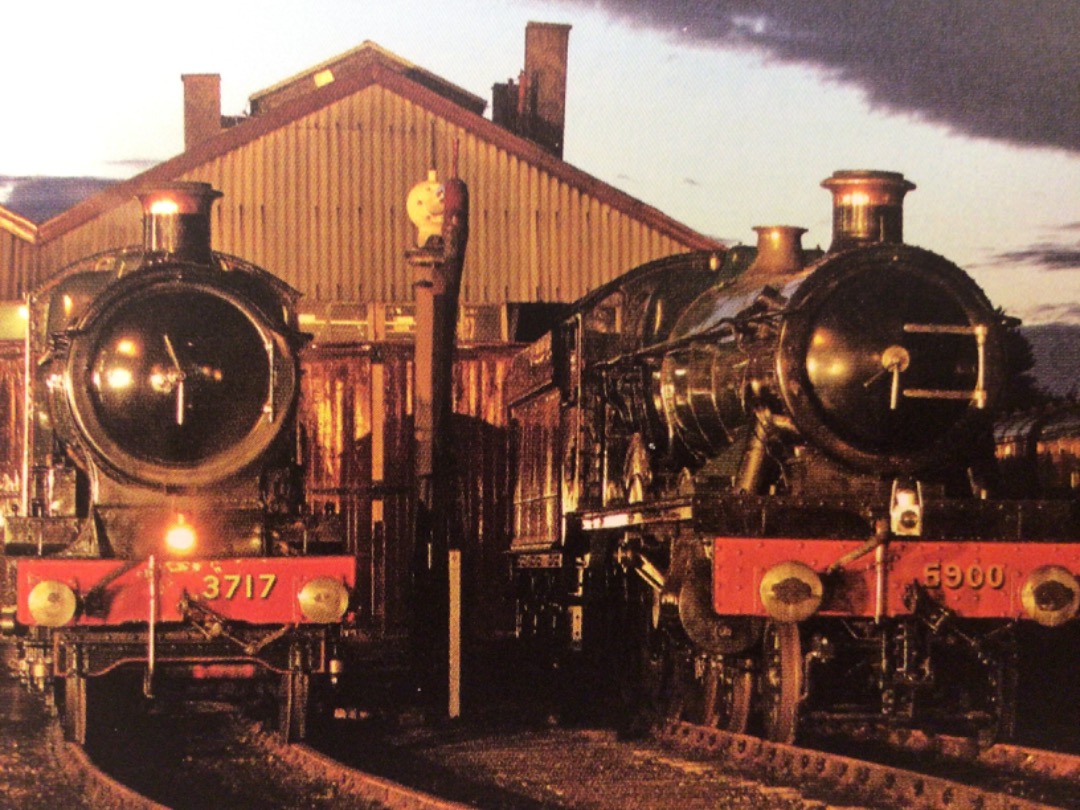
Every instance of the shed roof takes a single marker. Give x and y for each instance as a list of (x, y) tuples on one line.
[(353, 61), (383, 69), (17, 225)]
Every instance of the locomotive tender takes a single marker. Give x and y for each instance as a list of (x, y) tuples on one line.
[(757, 488), (164, 526)]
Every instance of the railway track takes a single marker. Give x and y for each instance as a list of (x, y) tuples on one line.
[(209, 755), (38, 769), (538, 767), (1049, 775), (903, 770)]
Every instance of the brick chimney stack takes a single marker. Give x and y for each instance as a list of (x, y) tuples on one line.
[(535, 107), (202, 107)]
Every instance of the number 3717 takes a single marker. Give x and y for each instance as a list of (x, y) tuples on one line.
[(244, 586)]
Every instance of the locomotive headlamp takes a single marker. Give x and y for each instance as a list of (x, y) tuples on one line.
[(180, 537), (1051, 595), (905, 511), (323, 600), (51, 603), (791, 591)]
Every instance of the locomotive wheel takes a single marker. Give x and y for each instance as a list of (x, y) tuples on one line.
[(74, 719), (728, 690), (781, 681), (294, 706)]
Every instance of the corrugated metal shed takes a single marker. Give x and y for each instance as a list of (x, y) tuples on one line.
[(314, 190)]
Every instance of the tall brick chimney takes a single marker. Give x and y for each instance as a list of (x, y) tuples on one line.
[(535, 107), (202, 107)]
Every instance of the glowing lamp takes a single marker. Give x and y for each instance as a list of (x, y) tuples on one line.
[(425, 206), (906, 511), (164, 207), (180, 536)]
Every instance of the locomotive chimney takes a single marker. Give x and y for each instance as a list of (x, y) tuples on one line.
[(779, 250), (176, 220), (868, 208)]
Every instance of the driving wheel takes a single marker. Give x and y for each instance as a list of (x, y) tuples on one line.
[(781, 681)]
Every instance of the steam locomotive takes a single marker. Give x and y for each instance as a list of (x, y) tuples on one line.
[(757, 489), (164, 528)]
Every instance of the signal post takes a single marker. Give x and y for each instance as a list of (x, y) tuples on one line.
[(440, 211)]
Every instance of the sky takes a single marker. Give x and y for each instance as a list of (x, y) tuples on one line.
[(724, 114)]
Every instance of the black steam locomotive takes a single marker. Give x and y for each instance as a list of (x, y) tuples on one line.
[(759, 487), (164, 527)]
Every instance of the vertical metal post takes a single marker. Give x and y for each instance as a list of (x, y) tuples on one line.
[(28, 406), (454, 659), (151, 628), (440, 212), (882, 583)]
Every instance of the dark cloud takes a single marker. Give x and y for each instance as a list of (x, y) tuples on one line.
[(42, 198), (1054, 313), (1000, 69), (1054, 348), (1046, 256)]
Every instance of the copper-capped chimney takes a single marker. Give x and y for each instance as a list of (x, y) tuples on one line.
[(176, 220), (868, 208), (779, 250)]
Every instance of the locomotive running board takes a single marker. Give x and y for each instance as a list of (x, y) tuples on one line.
[(673, 511)]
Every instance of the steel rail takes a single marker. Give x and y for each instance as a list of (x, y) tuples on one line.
[(871, 782)]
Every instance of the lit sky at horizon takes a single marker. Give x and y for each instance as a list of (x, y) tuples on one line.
[(720, 135)]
